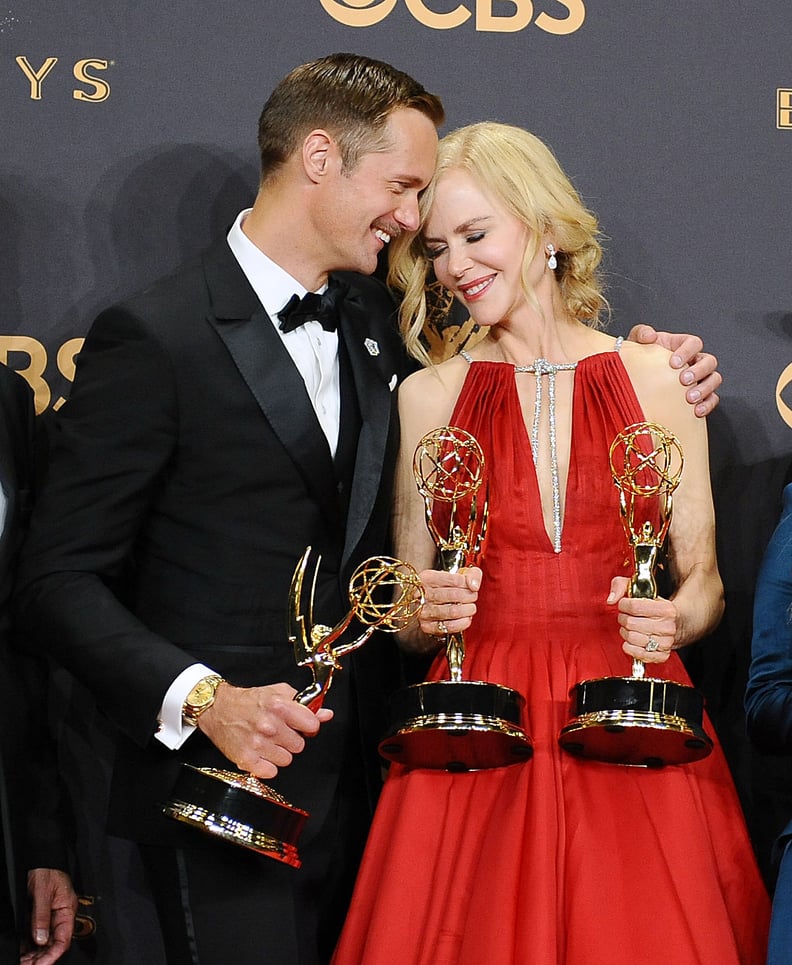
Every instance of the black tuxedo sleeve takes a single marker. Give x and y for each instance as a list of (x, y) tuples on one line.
[(111, 446)]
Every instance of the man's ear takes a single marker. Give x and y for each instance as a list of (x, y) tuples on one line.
[(318, 153)]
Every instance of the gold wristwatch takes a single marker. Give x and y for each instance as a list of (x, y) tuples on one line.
[(200, 698)]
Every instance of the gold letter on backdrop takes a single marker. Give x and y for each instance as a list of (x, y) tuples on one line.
[(571, 23), (784, 97), (34, 373), (783, 381), (485, 20), (36, 77), (66, 366), (358, 16), (101, 89), (438, 21)]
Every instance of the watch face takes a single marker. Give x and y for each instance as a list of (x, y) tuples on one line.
[(201, 692)]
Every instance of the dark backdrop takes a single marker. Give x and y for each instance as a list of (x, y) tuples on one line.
[(128, 133)]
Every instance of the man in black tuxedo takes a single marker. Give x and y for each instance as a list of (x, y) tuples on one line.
[(202, 450), (205, 445), (31, 838)]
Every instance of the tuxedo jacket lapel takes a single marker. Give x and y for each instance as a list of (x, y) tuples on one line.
[(372, 379), (269, 372)]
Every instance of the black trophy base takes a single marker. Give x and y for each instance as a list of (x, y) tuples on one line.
[(467, 725), (636, 720), (238, 808)]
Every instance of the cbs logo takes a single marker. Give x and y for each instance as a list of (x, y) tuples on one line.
[(366, 13), (36, 368)]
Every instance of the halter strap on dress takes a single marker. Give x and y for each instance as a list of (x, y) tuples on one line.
[(541, 367)]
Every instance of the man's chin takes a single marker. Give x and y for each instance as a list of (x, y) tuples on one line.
[(366, 263), (369, 265)]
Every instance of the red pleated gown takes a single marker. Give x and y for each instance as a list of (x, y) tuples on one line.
[(558, 860)]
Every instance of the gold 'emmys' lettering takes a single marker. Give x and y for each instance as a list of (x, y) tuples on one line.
[(514, 16), (34, 371), (101, 89), (783, 382), (358, 13), (36, 76), (437, 21), (572, 22)]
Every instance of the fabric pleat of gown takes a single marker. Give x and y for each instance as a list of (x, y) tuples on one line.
[(558, 860)]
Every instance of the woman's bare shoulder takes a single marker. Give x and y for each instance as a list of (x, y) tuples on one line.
[(646, 356), (435, 381), (656, 384), (427, 398)]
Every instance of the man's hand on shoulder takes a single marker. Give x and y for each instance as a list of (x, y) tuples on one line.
[(53, 907), (260, 729), (699, 369)]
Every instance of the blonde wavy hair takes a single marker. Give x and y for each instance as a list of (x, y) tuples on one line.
[(521, 173)]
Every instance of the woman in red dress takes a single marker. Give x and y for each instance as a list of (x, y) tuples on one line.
[(557, 860)]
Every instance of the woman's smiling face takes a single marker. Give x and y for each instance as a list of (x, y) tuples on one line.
[(477, 249)]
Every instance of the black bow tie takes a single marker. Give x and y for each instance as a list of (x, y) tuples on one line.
[(312, 307)]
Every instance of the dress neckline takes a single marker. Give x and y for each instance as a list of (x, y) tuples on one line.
[(541, 367)]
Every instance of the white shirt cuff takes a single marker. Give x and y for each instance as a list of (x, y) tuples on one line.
[(172, 731)]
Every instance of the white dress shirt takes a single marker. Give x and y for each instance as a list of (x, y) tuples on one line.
[(315, 354), (313, 350)]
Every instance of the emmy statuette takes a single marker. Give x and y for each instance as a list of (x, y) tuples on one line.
[(638, 719), (384, 594), (455, 724)]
